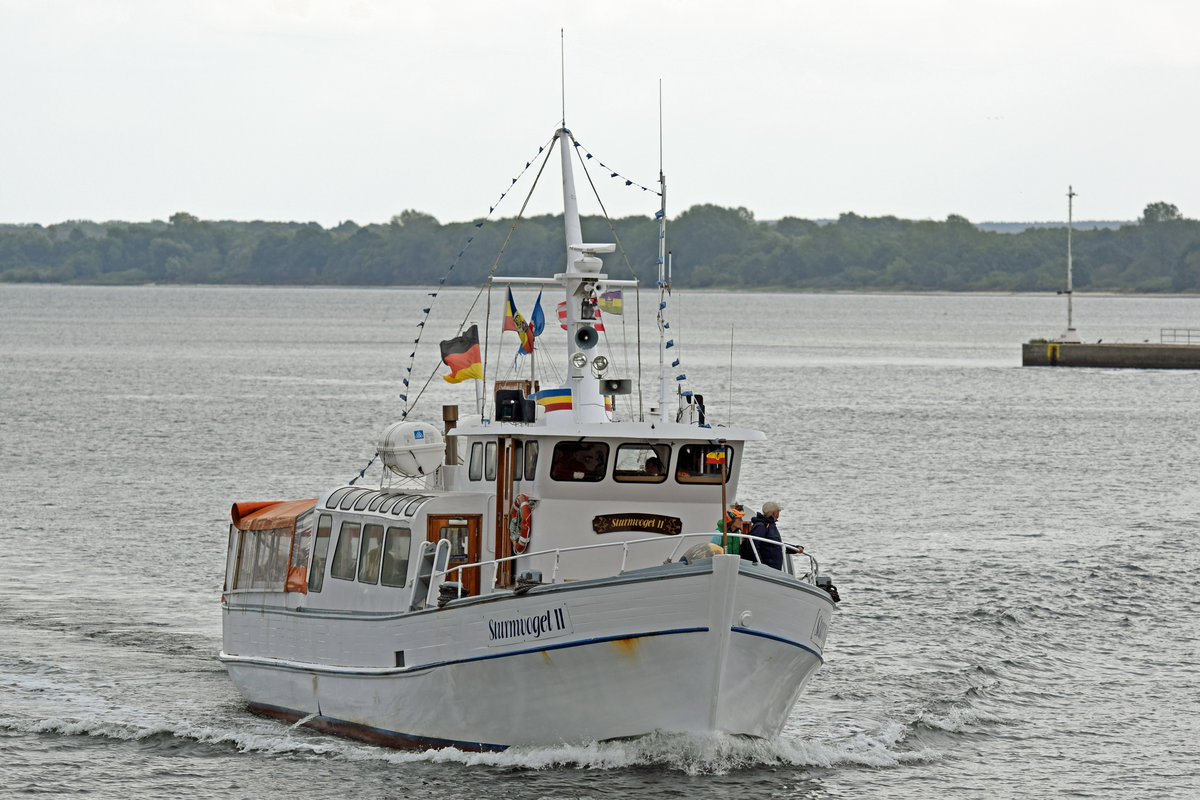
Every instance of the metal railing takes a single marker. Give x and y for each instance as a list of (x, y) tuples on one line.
[(792, 560), (1179, 336)]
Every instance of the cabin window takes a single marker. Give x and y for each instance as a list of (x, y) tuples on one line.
[(346, 554), (395, 556), (489, 462), (245, 569), (337, 496), (378, 501), (413, 506), (579, 461), (370, 554), (642, 463), (349, 499), (316, 574), (476, 468), (362, 502), (231, 559), (518, 462), (531, 451), (700, 463), (387, 504), (302, 540)]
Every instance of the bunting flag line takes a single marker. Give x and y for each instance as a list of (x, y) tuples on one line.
[(597, 323), (461, 355), (611, 302), (612, 173)]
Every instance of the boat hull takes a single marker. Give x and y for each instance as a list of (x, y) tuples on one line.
[(719, 646)]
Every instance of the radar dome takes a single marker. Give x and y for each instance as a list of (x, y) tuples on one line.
[(411, 449)]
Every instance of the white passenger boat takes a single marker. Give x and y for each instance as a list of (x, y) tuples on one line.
[(538, 572)]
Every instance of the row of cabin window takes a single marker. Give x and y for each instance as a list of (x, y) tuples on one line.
[(361, 499), (638, 462), (363, 552), (483, 461)]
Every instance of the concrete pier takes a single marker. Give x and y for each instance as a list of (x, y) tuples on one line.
[(1116, 355)]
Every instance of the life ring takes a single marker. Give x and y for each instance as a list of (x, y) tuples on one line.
[(520, 521)]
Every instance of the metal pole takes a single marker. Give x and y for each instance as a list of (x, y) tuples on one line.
[(724, 469), (1070, 290)]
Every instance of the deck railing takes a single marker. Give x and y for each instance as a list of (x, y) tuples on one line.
[(795, 563), (1179, 335)]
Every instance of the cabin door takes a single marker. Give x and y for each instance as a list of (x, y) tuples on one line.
[(462, 531)]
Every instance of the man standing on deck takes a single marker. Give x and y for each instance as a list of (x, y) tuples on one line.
[(763, 526)]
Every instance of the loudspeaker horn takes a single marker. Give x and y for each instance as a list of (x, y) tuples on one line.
[(586, 337)]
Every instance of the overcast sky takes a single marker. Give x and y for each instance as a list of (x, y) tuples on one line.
[(314, 110)]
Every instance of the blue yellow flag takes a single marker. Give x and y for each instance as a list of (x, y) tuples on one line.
[(611, 302)]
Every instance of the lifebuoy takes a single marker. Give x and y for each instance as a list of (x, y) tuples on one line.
[(520, 521)]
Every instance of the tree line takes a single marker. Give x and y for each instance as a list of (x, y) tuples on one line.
[(712, 247)]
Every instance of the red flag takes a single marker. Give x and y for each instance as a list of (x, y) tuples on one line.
[(597, 323)]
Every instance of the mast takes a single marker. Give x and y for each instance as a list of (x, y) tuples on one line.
[(664, 389), (1069, 335), (1070, 225), (580, 279)]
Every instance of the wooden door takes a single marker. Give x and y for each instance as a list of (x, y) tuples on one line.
[(462, 531)]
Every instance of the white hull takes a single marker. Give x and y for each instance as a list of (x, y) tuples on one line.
[(718, 646)]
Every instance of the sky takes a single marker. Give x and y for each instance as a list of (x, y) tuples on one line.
[(323, 111)]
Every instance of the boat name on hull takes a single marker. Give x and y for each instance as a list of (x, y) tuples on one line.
[(521, 626), (652, 523)]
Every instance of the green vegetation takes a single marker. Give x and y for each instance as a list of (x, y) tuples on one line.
[(714, 247)]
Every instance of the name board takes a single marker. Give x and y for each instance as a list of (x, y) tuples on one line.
[(547, 622), (820, 629), (647, 523)]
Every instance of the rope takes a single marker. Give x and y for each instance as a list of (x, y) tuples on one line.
[(442, 282)]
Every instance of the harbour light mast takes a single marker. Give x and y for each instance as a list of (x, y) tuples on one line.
[(1069, 335)]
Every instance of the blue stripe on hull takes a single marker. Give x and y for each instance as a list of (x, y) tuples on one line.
[(436, 664), (775, 638)]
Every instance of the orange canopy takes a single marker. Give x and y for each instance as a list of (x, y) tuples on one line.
[(268, 515)]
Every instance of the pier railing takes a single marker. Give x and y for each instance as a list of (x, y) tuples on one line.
[(1179, 336)]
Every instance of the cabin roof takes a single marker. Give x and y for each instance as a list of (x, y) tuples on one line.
[(270, 514), (642, 431)]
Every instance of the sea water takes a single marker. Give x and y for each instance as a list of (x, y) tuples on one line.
[(1015, 547)]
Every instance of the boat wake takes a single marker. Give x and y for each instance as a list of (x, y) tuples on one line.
[(687, 754)]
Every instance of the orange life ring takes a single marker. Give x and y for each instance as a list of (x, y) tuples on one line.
[(520, 521)]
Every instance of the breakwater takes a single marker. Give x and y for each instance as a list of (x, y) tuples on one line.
[(1116, 355)]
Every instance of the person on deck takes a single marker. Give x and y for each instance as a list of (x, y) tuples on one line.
[(763, 525), (732, 524)]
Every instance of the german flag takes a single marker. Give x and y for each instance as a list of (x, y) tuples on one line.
[(461, 355)]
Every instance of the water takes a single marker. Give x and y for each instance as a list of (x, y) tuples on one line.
[(1014, 547)]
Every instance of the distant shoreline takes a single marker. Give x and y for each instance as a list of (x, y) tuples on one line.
[(685, 290)]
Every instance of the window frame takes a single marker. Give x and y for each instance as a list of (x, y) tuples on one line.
[(370, 530), (594, 476), (340, 551), (316, 567), (530, 466), (660, 451), (475, 466), (397, 530), (703, 477)]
